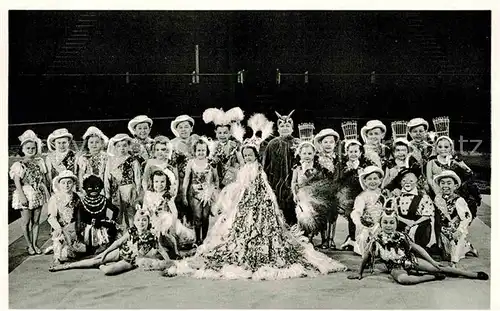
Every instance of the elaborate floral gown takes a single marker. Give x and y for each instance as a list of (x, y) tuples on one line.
[(368, 208), (32, 175), (455, 218), (250, 238)]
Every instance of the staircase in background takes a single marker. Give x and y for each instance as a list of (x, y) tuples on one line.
[(68, 55)]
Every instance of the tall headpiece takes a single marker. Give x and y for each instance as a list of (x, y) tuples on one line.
[(306, 131), (350, 130), (399, 129), (285, 119), (441, 126), (219, 117), (262, 129)]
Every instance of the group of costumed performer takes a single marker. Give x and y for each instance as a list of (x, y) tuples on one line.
[(250, 238)]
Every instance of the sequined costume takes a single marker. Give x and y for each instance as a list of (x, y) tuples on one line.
[(394, 250), (226, 161), (138, 245), (57, 162), (455, 218), (91, 164), (64, 208), (121, 183), (32, 175), (368, 207)]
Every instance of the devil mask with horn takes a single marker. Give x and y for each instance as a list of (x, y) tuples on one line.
[(285, 124)]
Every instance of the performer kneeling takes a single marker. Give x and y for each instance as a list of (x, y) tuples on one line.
[(399, 254)]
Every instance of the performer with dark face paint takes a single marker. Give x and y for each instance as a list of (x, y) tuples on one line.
[(278, 165)]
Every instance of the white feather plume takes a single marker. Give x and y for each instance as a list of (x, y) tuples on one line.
[(213, 115), (234, 114), (237, 131), (259, 122)]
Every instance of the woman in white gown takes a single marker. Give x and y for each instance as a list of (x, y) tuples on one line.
[(250, 239)]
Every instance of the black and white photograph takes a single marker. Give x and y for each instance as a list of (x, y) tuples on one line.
[(249, 159)]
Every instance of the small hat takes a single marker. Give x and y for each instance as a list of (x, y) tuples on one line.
[(114, 140), (324, 133), (371, 125), (180, 119), (417, 122), (28, 136), (97, 132), (59, 133), (367, 171), (137, 120), (62, 175), (445, 174)]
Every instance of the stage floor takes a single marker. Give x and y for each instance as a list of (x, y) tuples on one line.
[(32, 286)]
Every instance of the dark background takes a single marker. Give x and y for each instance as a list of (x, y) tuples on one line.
[(423, 63)]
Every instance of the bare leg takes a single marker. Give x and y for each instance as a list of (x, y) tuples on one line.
[(402, 277), (26, 219), (116, 268), (205, 221), (35, 221), (331, 233), (426, 266), (87, 263)]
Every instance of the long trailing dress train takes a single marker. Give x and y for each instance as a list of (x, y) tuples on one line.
[(250, 239)]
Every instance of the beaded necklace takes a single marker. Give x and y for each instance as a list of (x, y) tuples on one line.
[(93, 203)]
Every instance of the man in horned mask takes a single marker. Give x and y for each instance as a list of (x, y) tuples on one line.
[(278, 165)]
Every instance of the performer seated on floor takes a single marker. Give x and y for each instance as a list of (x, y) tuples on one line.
[(62, 209), (399, 253), (138, 247), (93, 226), (416, 216), (159, 202), (455, 218)]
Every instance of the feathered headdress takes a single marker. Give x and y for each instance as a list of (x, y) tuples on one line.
[(219, 117), (285, 119), (262, 129)]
